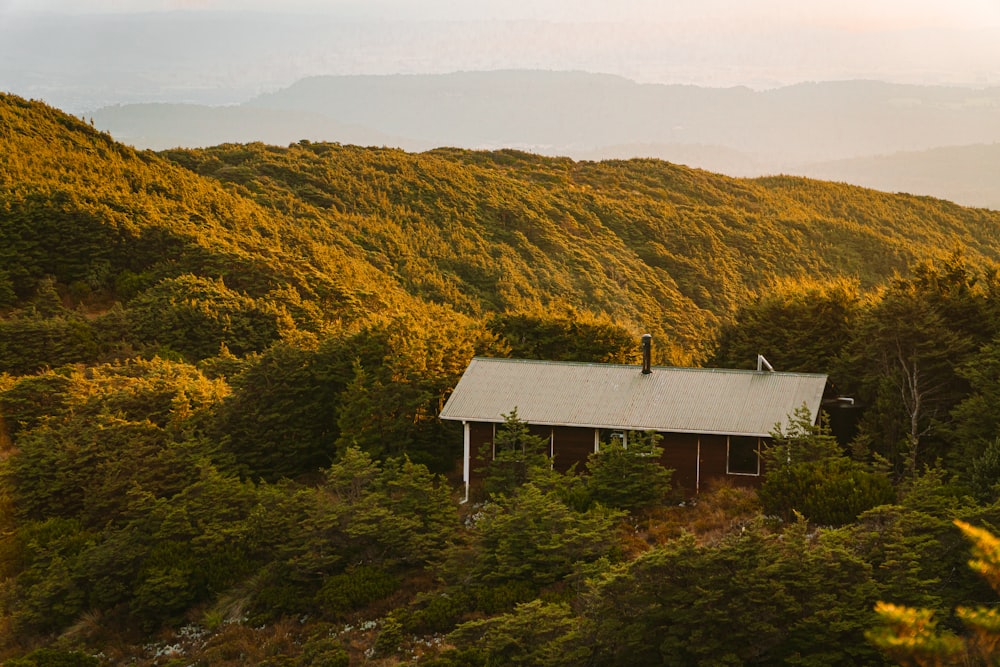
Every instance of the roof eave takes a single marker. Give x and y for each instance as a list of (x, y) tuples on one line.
[(610, 427)]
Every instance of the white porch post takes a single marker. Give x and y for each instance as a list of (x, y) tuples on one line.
[(466, 459)]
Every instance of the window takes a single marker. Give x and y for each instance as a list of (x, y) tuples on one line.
[(610, 436), (743, 457)]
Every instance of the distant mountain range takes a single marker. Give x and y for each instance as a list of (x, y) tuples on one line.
[(963, 174), (928, 140)]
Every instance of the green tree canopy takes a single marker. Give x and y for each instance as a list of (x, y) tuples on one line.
[(806, 472), (628, 477)]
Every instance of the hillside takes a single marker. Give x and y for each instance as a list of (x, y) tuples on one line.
[(735, 131), (649, 243), (221, 371), (90, 212), (652, 245)]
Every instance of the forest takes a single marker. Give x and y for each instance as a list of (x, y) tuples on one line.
[(221, 370)]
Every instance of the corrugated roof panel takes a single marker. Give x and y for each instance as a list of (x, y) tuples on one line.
[(615, 396)]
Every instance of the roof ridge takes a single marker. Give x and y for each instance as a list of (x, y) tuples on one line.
[(598, 364)]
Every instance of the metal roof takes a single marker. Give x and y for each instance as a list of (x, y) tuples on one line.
[(612, 396)]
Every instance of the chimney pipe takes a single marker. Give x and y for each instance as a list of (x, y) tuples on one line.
[(647, 353)]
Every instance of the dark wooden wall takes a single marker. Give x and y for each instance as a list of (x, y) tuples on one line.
[(680, 454), (698, 460), (572, 445)]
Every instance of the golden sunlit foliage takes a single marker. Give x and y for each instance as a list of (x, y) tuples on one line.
[(330, 234), (912, 637), (221, 370)]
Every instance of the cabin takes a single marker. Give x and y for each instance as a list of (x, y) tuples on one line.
[(713, 422)]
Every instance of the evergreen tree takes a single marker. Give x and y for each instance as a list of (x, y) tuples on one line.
[(752, 597), (798, 325), (911, 635), (531, 536), (629, 478), (514, 458), (907, 349), (806, 472)]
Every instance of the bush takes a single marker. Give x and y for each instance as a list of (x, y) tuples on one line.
[(457, 658), (351, 590), (48, 657), (277, 598), (324, 652), (628, 478), (389, 639), (534, 633), (439, 612), (501, 597), (830, 492), (533, 538), (195, 316)]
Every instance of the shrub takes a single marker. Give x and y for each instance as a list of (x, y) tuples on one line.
[(437, 612), (457, 658), (501, 597), (48, 657), (325, 652), (831, 492), (628, 478), (195, 316), (389, 639), (355, 588)]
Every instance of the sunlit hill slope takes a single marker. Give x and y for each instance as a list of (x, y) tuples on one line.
[(221, 372), (314, 237)]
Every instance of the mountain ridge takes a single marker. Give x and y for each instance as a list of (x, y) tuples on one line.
[(646, 243), (736, 131)]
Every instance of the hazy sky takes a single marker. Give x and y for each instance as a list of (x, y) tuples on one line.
[(845, 14), (83, 53)]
